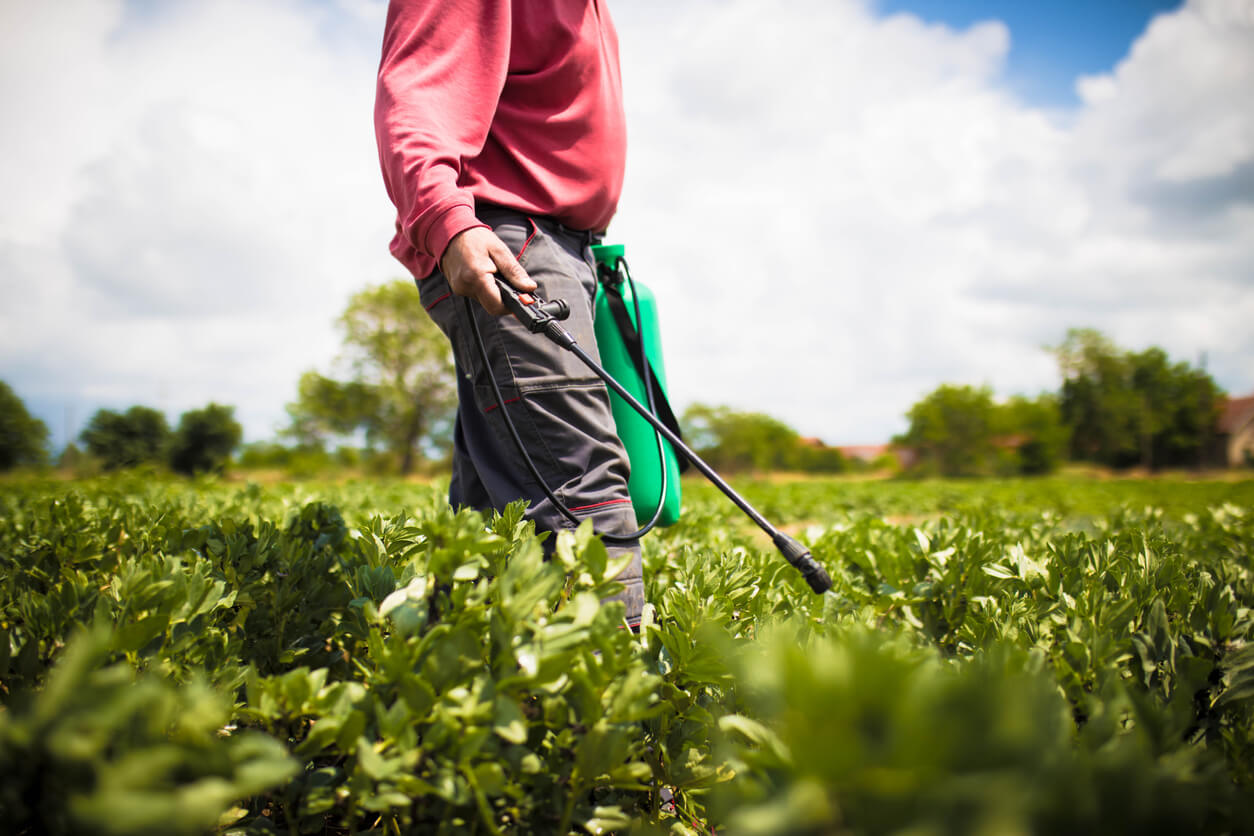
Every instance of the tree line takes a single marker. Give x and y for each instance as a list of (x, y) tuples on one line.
[(201, 442), (1115, 408), (389, 400)]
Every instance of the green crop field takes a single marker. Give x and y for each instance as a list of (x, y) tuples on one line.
[(1054, 656)]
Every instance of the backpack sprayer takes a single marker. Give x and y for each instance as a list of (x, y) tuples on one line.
[(654, 479)]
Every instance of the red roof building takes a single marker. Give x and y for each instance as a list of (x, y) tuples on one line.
[(870, 452), (1236, 431)]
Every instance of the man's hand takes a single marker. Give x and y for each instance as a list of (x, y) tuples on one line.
[(471, 260)]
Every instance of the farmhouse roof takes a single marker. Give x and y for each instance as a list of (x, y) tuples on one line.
[(1236, 413), (866, 452)]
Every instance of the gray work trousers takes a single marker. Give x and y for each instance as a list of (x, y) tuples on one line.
[(560, 408)]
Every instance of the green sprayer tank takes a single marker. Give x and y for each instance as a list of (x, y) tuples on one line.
[(638, 436)]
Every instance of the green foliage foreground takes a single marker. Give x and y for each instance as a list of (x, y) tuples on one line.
[(190, 659)]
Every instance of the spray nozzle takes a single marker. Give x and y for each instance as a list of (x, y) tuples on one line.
[(799, 556), (558, 309)]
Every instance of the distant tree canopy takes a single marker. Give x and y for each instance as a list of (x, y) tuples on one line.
[(960, 431), (741, 441), (951, 430), (1030, 435), (204, 440), (23, 438), (1116, 408), (1126, 408), (400, 389), (126, 439)]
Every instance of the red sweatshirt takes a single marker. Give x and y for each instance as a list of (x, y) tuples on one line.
[(513, 102)]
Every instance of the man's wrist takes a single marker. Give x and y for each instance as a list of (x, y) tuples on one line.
[(456, 220)]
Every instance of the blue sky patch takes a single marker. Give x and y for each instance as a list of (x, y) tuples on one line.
[(1050, 43)]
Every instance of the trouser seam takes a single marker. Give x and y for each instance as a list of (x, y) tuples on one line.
[(551, 460), (554, 467)]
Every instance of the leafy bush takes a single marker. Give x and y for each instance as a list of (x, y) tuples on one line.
[(1046, 657), (100, 749)]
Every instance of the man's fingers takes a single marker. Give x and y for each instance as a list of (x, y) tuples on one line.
[(490, 298), (471, 263), (510, 270)]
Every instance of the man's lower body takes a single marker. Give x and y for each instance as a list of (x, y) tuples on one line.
[(560, 408)]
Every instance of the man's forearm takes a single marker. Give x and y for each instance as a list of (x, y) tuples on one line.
[(441, 73)]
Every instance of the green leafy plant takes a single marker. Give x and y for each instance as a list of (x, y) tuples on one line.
[(1017, 656)]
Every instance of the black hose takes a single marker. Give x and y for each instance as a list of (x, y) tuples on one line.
[(538, 321), (613, 539)]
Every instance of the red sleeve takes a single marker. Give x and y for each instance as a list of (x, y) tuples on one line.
[(440, 77)]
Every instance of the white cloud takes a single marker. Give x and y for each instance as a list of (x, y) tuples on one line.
[(838, 211), (855, 209), (199, 195)]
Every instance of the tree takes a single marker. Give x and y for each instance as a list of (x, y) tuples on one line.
[(1126, 408), (813, 456), (951, 430), (1097, 403), (400, 389), (138, 436), (71, 457), (961, 431), (1179, 409), (732, 441), (23, 438), (205, 439), (327, 408), (1039, 437)]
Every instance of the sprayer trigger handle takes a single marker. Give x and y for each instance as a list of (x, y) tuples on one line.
[(522, 305)]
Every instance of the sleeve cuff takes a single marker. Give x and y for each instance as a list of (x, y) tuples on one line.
[(455, 219)]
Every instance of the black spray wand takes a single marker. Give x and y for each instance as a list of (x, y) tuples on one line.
[(542, 317)]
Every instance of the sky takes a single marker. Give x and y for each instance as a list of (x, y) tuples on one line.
[(1051, 43), (840, 204)]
